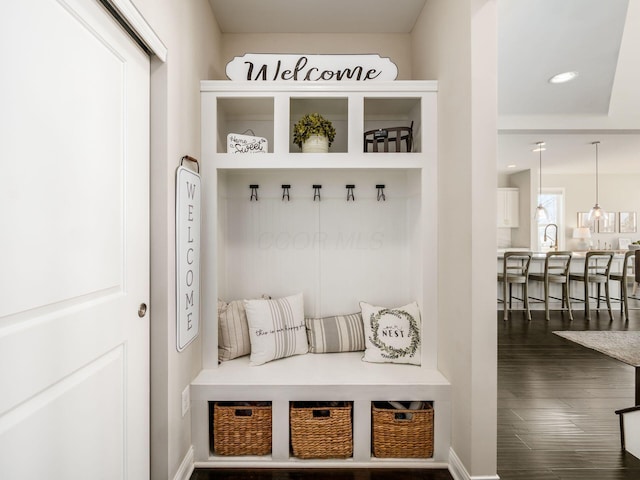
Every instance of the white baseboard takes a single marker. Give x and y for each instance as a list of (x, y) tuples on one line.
[(186, 467), (459, 472)]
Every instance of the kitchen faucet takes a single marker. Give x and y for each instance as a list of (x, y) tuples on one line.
[(554, 243)]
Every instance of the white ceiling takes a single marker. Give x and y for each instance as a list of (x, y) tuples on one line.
[(316, 16), (536, 39), (540, 38)]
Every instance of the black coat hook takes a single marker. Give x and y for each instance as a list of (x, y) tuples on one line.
[(285, 192), (350, 195), (316, 192), (254, 192), (381, 195)]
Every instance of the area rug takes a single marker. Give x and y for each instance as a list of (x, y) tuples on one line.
[(621, 345)]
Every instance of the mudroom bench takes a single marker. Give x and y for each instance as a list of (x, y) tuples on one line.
[(318, 377)]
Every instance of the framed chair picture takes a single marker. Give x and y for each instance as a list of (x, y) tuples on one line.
[(627, 222), (609, 226), (583, 221)]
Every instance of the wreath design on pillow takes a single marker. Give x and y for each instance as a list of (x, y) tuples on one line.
[(388, 351)]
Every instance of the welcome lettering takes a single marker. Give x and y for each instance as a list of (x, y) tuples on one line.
[(254, 67)]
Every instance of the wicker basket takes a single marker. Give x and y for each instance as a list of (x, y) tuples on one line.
[(398, 437), (321, 432), (241, 430)]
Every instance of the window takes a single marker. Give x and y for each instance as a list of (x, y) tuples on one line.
[(553, 200)]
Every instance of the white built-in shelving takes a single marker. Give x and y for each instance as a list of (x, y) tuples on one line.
[(336, 252)]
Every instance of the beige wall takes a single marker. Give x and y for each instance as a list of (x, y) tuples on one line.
[(190, 33), (455, 43), (618, 193), (394, 46)]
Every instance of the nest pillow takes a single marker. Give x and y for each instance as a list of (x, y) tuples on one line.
[(276, 328), (342, 333), (392, 335)]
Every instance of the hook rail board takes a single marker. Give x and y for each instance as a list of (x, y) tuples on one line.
[(187, 255)]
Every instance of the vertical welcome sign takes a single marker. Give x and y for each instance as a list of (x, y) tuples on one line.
[(187, 256)]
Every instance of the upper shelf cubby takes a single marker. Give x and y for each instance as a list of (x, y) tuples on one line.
[(336, 110), (271, 109), (385, 115), (244, 115)]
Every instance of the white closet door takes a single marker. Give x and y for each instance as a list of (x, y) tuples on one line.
[(74, 244)]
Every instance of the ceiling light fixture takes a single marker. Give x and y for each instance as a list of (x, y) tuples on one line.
[(512, 165), (597, 213), (541, 215), (563, 77)]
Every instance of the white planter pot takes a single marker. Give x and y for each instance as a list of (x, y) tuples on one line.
[(315, 144)]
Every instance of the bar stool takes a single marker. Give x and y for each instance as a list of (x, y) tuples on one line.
[(595, 272), (515, 269), (556, 271), (624, 277)]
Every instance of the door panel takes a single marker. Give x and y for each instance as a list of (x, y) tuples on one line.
[(63, 447), (74, 248)]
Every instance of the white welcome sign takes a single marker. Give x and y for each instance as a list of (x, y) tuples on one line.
[(187, 257), (263, 67)]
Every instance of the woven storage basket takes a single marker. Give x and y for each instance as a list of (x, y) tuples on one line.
[(321, 432), (241, 430), (395, 437)]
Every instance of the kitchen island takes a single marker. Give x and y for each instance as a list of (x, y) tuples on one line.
[(536, 289)]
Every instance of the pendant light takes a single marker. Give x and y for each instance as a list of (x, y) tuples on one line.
[(597, 213), (541, 215)]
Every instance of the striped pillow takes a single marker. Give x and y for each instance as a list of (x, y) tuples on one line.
[(233, 330), (276, 328), (343, 333)]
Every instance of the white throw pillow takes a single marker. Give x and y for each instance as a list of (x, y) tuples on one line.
[(276, 328), (392, 335)]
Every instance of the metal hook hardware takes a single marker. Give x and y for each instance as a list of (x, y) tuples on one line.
[(381, 195), (350, 195), (254, 192), (285, 192), (316, 192)]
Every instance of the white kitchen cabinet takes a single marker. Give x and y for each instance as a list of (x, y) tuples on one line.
[(336, 251), (508, 215)]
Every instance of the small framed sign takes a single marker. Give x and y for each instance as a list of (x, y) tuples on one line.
[(239, 143), (187, 256)]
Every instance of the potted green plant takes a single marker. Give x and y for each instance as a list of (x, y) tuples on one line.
[(313, 133)]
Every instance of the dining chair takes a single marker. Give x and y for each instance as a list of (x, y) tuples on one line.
[(515, 270), (625, 276), (556, 272), (597, 267)]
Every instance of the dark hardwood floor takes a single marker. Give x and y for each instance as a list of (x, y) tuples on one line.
[(322, 474), (556, 403)]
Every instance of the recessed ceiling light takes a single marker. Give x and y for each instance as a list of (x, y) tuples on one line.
[(539, 147), (563, 77), (511, 166)]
